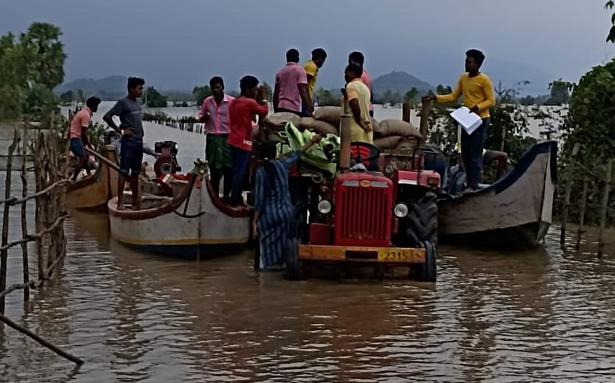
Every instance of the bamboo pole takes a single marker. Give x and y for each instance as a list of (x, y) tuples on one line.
[(603, 208), (344, 159), (42, 341), (39, 161), (424, 124), (5, 218), (568, 190), (406, 109), (580, 230), (24, 222)]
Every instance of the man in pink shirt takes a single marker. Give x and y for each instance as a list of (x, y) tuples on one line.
[(78, 134), (215, 114), (291, 91), (358, 58)]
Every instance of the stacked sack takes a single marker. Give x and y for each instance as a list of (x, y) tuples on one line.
[(396, 135), (389, 134)]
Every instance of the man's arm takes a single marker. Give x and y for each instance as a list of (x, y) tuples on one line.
[(356, 114), (84, 136), (276, 95), (306, 99), (451, 97), (108, 117), (489, 96), (203, 115)]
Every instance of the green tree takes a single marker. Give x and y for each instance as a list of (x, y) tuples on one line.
[(67, 97), (13, 77), (326, 97), (153, 98), (411, 96), (441, 89), (45, 54), (609, 6), (200, 93), (560, 92), (592, 116)]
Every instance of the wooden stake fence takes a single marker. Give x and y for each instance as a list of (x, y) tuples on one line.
[(50, 216), (598, 180)]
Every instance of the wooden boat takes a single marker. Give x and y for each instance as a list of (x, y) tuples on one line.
[(95, 191), (194, 221), (515, 211)]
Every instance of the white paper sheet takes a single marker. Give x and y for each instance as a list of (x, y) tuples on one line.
[(469, 121)]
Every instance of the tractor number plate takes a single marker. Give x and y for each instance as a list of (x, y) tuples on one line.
[(395, 255)]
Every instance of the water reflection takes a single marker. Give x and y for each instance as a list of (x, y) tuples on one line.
[(540, 315)]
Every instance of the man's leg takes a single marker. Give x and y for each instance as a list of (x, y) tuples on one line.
[(134, 186), (477, 142), (228, 178), (465, 156), (121, 181), (136, 159), (237, 182), (215, 176)]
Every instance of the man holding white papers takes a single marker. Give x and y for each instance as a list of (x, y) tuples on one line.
[(478, 97)]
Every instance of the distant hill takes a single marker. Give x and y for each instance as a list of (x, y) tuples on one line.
[(108, 88), (400, 82)]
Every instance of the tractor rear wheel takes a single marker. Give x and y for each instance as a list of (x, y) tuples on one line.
[(421, 223)]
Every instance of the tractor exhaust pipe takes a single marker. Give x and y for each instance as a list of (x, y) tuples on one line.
[(345, 135)]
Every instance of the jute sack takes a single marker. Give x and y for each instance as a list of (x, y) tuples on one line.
[(375, 125), (330, 114), (386, 143), (397, 128), (314, 125), (407, 144), (279, 120)]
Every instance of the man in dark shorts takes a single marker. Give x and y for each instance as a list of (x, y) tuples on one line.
[(215, 114), (78, 134), (130, 114)]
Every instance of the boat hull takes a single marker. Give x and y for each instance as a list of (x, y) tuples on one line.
[(516, 211), (186, 225), (93, 193)]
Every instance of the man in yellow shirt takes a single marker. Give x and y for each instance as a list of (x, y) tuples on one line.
[(477, 91), (311, 70), (358, 100)]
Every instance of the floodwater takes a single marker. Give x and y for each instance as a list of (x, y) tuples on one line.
[(540, 315)]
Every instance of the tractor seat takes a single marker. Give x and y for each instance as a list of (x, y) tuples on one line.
[(366, 154)]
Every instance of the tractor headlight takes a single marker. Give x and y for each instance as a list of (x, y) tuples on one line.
[(400, 210), (324, 207)]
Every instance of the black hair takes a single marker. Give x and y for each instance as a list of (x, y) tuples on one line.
[(477, 55), (92, 102), (133, 82), (216, 80), (268, 153), (247, 82), (355, 69), (319, 53), (292, 56), (357, 57)]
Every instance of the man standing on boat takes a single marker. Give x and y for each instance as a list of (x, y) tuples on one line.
[(291, 91), (130, 114), (478, 96), (358, 59), (311, 70), (78, 134), (358, 100), (242, 111), (215, 114)]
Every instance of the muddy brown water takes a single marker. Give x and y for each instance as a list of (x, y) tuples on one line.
[(540, 315)]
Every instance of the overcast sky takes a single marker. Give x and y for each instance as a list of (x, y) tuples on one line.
[(177, 44)]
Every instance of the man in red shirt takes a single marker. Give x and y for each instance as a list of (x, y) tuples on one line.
[(242, 112)]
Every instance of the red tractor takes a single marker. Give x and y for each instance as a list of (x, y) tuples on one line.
[(380, 209)]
